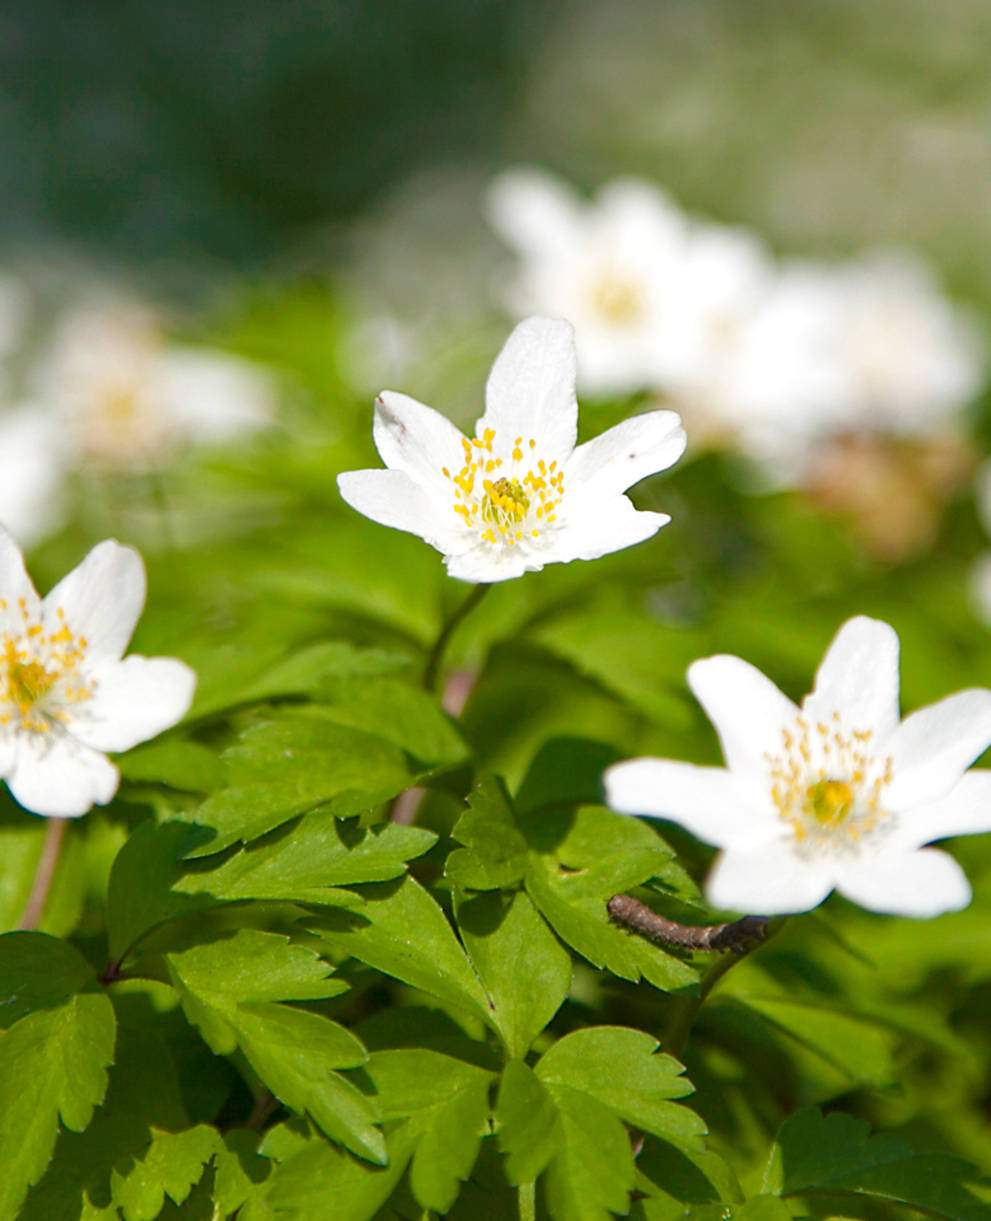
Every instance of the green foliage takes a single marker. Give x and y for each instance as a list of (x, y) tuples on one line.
[(272, 983), (56, 1043)]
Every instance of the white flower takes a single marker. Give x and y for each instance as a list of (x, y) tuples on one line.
[(866, 347), (67, 694), (519, 494), (615, 267), (911, 361), (119, 395), (837, 793)]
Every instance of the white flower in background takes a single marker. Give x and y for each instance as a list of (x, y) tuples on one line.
[(519, 494), (615, 267), (118, 394), (773, 384), (869, 347), (912, 362), (67, 694), (836, 793)]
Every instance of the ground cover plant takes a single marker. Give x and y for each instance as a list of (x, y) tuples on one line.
[(489, 870)]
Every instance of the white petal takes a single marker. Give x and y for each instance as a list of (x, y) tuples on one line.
[(102, 599), (393, 499), (858, 677), (531, 389), (414, 438), (746, 708), (14, 580), (485, 564), (920, 884), (931, 749), (621, 456), (711, 802), (964, 810), (60, 778), (133, 700), (769, 881), (598, 529), (535, 212)]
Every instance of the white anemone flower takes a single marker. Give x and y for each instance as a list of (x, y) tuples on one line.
[(519, 494), (119, 395), (616, 267), (67, 693), (837, 793)]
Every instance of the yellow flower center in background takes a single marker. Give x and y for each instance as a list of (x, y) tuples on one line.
[(826, 783), (38, 672), (617, 300), (506, 502)]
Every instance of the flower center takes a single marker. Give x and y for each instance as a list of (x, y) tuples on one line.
[(39, 675), (827, 784), (617, 300), (505, 499), (829, 801)]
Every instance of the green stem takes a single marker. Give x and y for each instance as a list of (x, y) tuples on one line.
[(431, 671), (34, 909), (686, 1008), (527, 1194)]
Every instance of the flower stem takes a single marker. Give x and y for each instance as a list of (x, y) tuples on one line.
[(527, 1201), (686, 1008), (431, 671), (35, 907)]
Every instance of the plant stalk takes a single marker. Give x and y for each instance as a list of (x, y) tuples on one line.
[(34, 908), (431, 671)]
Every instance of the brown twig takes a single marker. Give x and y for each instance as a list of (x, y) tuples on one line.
[(34, 908), (624, 909)]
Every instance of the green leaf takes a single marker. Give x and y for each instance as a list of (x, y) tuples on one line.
[(141, 892), (306, 865), (292, 763), (528, 1124), (565, 771), (522, 965), (58, 1032), (495, 852), (229, 989), (230, 675), (619, 1067), (837, 1154), (180, 764), (400, 930), (324, 1183), (593, 1174), (169, 1165), (239, 1169), (398, 712), (448, 1101), (574, 904), (860, 1049)]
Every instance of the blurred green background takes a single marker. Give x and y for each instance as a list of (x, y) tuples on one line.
[(229, 137)]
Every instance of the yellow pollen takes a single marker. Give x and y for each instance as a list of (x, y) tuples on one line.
[(39, 673), (829, 801), (617, 301), (511, 507)]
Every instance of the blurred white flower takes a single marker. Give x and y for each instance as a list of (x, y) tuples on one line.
[(519, 494), (835, 794), (67, 694), (869, 347), (615, 267), (122, 396)]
